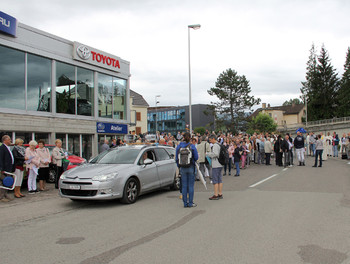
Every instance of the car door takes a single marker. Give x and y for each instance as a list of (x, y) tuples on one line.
[(166, 167), (148, 174)]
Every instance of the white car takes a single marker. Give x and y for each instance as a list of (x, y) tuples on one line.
[(125, 173)]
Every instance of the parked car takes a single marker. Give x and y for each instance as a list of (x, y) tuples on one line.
[(125, 173)]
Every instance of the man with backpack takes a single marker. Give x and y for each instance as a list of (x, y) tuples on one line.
[(216, 168), (186, 156)]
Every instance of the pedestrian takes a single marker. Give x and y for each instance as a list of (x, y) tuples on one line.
[(6, 165), (186, 156), (230, 149), (312, 143), (244, 154), (335, 142), (18, 154), (57, 156), (262, 149), (319, 150), (44, 170), (278, 150), (268, 150), (202, 149), (300, 148), (216, 168), (237, 157), (105, 145), (32, 166), (343, 144), (328, 148), (285, 150)]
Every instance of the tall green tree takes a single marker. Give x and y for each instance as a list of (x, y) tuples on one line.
[(262, 123), (344, 91), (321, 86), (233, 92), (292, 101)]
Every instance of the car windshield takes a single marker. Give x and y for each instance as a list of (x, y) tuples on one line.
[(117, 156)]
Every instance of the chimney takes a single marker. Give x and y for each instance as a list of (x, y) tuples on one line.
[(263, 105)]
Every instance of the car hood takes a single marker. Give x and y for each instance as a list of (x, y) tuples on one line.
[(87, 171)]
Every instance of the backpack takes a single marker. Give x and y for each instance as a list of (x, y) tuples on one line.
[(223, 156), (185, 156)]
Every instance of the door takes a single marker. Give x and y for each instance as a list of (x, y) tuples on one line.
[(166, 167), (148, 174)]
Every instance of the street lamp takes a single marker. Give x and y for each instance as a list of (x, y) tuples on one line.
[(195, 27), (156, 98)]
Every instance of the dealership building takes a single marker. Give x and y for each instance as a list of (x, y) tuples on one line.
[(52, 88)]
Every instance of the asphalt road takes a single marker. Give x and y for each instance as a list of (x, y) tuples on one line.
[(297, 215)]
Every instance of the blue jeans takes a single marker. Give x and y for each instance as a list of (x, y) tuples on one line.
[(237, 168), (335, 151), (318, 154), (229, 166), (187, 179)]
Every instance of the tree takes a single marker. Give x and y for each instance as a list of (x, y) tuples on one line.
[(200, 130), (292, 101), (321, 86), (344, 91), (262, 123), (232, 90)]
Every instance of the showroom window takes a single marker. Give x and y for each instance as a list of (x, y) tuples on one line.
[(12, 91), (105, 95), (38, 83), (85, 92), (65, 88), (119, 87)]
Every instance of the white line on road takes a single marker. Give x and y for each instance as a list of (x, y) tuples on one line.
[(260, 182)]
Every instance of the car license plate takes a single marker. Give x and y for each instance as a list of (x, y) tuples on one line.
[(74, 187)]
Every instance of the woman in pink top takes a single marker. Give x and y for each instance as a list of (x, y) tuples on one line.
[(244, 154), (45, 159)]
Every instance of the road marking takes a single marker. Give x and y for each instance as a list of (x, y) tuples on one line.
[(285, 169), (260, 182), (349, 163)]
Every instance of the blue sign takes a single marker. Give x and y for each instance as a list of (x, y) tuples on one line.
[(8, 24), (111, 128)]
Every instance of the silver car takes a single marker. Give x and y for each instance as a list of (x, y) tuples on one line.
[(124, 172)]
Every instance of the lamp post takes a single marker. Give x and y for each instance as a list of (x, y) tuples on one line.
[(156, 99), (197, 26)]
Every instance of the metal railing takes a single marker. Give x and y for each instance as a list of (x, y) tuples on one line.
[(329, 121)]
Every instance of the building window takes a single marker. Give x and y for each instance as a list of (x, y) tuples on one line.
[(85, 92), (105, 95), (65, 88), (12, 93), (38, 83), (138, 116), (119, 92)]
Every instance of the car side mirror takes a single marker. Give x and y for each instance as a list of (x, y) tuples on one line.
[(147, 162)]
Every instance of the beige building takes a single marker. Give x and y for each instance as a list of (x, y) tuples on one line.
[(138, 109), (284, 116)]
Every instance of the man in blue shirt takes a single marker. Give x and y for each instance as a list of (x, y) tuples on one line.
[(187, 173)]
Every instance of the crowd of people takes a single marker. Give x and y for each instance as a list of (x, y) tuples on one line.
[(35, 159)]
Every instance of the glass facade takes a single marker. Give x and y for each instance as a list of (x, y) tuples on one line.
[(65, 88), (38, 83), (12, 82), (74, 87), (170, 120)]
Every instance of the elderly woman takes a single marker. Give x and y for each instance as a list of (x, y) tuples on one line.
[(18, 153), (33, 162), (45, 160), (57, 156)]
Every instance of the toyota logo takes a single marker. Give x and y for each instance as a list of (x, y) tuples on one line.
[(83, 52)]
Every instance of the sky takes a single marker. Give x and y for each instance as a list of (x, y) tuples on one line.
[(268, 41)]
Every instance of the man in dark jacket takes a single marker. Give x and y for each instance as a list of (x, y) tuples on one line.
[(300, 148), (6, 165), (278, 151), (285, 149)]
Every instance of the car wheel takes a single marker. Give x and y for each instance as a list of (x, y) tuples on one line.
[(176, 184), (52, 176), (131, 191)]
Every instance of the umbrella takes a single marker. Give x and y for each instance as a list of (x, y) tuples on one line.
[(201, 176), (301, 130)]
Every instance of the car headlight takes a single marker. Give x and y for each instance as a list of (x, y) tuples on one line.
[(105, 177), (63, 176)]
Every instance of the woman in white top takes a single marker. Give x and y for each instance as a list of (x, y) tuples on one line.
[(45, 160), (33, 162)]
